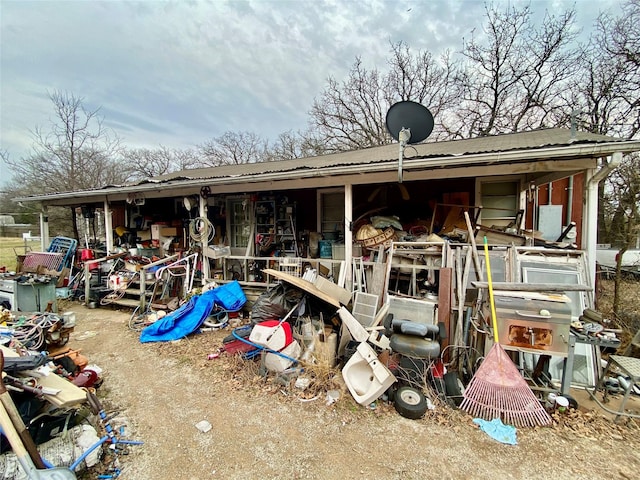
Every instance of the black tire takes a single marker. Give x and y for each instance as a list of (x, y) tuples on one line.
[(410, 402), (454, 387), (573, 403)]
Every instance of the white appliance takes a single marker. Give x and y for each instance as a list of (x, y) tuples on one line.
[(8, 294)]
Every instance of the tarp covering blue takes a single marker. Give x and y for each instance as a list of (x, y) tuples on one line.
[(188, 318)]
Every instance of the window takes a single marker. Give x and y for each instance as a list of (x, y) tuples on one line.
[(545, 266), (239, 222), (331, 215)]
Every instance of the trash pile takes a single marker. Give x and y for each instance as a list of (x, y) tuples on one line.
[(301, 335), (53, 423), (309, 334)]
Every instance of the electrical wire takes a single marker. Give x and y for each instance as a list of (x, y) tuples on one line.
[(201, 230)]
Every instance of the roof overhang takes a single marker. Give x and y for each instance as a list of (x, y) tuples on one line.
[(295, 174)]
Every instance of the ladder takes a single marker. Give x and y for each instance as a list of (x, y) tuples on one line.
[(359, 283)]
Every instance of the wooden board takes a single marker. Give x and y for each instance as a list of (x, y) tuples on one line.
[(303, 285), (444, 302), (533, 287), (68, 395)]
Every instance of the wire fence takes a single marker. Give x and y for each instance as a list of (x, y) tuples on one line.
[(11, 247)]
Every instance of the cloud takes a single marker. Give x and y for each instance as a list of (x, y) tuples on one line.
[(178, 73)]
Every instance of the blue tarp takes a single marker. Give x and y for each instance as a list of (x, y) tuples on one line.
[(188, 318)]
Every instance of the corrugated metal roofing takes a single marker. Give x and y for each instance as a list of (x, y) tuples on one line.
[(496, 143), (556, 143)]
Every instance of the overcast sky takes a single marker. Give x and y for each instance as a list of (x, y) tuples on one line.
[(181, 72)]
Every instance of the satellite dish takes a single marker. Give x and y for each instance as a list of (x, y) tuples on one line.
[(408, 122)]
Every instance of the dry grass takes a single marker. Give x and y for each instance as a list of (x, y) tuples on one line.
[(246, 374), (12, 246), (628, 318)]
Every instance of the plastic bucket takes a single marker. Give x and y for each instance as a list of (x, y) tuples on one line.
[(562, 403)]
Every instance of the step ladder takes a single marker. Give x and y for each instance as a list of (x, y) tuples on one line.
[(359, 279)]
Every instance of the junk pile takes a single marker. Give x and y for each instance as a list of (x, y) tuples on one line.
[(299, 333), (416, 331), (52, 422)]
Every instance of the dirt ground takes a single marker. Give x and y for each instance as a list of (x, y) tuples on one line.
[(262, 430)]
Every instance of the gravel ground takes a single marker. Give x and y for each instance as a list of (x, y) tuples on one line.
[(262, 430)]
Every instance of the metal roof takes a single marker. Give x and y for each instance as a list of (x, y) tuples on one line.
[(554, 143), (496, 143)]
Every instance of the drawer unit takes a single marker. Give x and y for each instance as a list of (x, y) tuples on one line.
[(533, 322)]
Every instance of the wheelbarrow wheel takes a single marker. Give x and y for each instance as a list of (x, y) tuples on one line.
[(410, 402), (454, 387)]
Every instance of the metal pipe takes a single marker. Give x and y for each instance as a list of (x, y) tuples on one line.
[(569, 201), (590, 227)]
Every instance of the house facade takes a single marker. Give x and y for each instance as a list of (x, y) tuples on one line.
[(539, 186)]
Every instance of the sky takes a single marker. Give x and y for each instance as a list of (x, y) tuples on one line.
[(179, 73)]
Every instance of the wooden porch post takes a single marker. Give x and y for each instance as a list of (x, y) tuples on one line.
[(108, 227), (348, 234)]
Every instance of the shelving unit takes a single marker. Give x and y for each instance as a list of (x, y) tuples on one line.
[(286, 228), (275, 225)]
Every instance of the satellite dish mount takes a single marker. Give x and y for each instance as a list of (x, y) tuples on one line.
[(408, 122)]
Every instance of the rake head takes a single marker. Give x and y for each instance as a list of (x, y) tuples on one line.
[(497, 390)]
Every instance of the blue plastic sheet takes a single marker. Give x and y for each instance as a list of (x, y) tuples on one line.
[(498, 430), (188, 318)]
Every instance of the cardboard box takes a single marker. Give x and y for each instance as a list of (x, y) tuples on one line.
[(160, 230), (216, 251), (168, 231)]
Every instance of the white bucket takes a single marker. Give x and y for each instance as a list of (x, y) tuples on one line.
[(276, 363), (550, 404), (562, 403)]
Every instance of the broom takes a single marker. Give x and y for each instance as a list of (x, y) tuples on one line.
[(497, 390)]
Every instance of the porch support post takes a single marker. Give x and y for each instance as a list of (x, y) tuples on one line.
[(590, 227), (348, 234), (44, 229), (202, 212), (108, 227)]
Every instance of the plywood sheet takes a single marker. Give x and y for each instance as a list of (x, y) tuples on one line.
[(303, 285)]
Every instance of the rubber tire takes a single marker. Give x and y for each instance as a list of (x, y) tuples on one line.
[(454, 387), (573, 403), (410, 403)]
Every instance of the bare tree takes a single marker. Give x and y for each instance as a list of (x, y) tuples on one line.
[(514, 73), (423, 79), (76, 152), (233, 148), (619, 39), (608, 95), (352, 114), (290, 145), (146, 163), (623, 197)]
